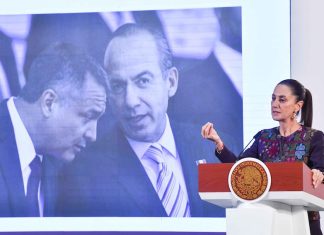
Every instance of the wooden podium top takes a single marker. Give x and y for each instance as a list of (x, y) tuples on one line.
[(291, 183)]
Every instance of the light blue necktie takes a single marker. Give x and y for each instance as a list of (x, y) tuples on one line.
[(167, 187)]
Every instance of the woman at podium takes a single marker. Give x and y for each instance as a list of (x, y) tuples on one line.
[(292, 140)]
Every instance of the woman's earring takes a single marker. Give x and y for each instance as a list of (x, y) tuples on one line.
[(293, 116)]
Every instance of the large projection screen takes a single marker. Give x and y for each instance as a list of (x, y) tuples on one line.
[(257, 58)]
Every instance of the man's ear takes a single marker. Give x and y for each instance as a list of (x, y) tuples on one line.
[(173, 78), (48, 101)]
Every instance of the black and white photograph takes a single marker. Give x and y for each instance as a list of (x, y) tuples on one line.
[(101, 112)]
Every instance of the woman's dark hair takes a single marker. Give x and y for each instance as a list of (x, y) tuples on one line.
[(302, 94)]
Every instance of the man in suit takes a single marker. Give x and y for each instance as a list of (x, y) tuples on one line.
[(89, 31), (195, 43), (125, 177), (52, 119)]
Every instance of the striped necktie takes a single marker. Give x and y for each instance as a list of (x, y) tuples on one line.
[(167, 187)]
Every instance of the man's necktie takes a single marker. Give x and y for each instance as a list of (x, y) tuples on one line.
[(33, 185), (168, 188)]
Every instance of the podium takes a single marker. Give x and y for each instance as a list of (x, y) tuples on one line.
[(283, 210)]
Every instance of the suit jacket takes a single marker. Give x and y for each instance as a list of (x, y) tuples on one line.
[(109, 180), (206, 93), (12, 197)]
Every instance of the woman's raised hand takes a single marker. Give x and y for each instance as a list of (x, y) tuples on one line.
[(208, 132)]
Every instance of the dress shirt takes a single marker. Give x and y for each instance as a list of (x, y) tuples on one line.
[(25, 146), (170, 156)]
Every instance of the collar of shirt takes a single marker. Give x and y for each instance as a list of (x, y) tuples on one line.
[(166, 141), (25, 146)]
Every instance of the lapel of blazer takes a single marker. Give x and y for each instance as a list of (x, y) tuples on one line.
[(10, 165), (190, 147), (133, 178), (188, 164)]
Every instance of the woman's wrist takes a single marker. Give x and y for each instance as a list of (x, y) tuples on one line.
[(219, 146)]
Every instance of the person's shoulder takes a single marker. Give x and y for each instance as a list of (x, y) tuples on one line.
[(111, 136), (269, 131), (319, 132), (310, 129), (190, 133), (313, 133), (186, 132), (108, 146), (97, 159), (189, 126)]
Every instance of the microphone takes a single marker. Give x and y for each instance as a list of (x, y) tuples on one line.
[(256, 136)]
